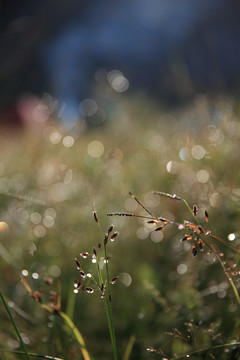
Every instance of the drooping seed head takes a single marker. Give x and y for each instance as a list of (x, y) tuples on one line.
[(110, 229), (113, 280), (114, 235)]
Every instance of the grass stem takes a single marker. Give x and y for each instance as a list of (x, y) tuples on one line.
[(14, 325)]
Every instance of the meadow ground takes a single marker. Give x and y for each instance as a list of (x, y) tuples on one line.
[(171, 297)]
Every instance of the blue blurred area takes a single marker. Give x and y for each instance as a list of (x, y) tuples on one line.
[(170, 49)]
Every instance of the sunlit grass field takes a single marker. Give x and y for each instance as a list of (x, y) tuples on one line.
[(165, 299)]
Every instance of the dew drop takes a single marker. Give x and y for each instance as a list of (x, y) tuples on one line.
[(35, 275), (24, 272), (94, 260), (231, 237)]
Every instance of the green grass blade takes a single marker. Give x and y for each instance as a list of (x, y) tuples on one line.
[(15, 326), (77, 334), (48, 357), (71, 303), (129, 347)]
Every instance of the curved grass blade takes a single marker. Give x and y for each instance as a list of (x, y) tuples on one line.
[(48, 357)]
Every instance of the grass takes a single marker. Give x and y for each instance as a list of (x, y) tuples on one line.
[(165, 299)]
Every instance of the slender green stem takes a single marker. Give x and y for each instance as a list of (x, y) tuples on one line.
[(107, 305), (48, 357), (204, 349), (110, 306), (107, 311), (14, 325)]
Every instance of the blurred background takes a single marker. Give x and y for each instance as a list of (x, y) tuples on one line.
[(99, 99), (81, 53)]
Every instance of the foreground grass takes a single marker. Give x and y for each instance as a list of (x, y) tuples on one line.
[(165, 297)]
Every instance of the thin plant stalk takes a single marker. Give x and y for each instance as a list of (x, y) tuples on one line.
[(204, 349), (110, 304), (48, 357), (15, 326), (107, 305), (107, 312)]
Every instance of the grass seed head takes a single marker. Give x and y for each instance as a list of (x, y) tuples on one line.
[(195, 210), (114, 235), (96, 218), (110, 229), (78, 264)]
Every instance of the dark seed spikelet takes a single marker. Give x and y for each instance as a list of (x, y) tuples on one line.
[(152, 222), (206, 216), (89, 290), (78, 264), (159, 228), (163, 219), (195, 210), (114, 235), (96, 218), (186, 237), (113, 280), (84, 255), (77, 284), (105, 239), (194, 250), (110, 229)]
